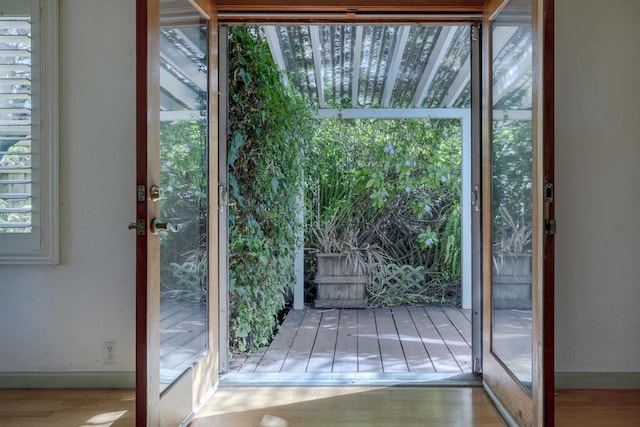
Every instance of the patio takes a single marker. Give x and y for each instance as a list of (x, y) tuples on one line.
[(383, 340)]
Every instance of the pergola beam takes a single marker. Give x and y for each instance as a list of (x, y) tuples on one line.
[(507, 82), (178, 89), (394, 67), (459, 83), (196, 49), (439, 51), (415, 113), (177, 60), (356, 66), (317, 63), (276, 50), (173, 116)]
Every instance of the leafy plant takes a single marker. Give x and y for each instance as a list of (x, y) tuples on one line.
[(393, 186), (183, 161), (269, 125)]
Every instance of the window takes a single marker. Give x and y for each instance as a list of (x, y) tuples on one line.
[(28, 132)]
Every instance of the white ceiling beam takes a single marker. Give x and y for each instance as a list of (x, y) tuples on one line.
[(194, 47), (394, 66), (185, 66), (415, 113), (501, 35), (276, 50), (437, 55), (459, 83), (392, 113), (317, 63), (357, 59), (167, 103), (173, 116), (512, 76), (178, 89)]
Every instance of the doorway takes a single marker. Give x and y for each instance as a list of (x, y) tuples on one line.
[(415, 76), (490, 11)]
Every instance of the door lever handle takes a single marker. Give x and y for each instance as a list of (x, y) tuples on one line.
[(158, 225)]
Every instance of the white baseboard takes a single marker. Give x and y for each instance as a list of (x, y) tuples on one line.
[(119, 379), (597, 380)]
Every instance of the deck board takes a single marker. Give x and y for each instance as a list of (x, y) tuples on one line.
[(415, 353), (182, 333), (460, 322), (298, 356), (369, 359), (441, 358), (454, 341), (393, 359), (346, 355), (412, 339), (324, 347), (277, 352)]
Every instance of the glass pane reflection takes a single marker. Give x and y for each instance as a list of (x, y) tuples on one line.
[(512, 180), (183, 178)]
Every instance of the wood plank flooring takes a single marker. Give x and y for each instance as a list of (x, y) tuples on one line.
[(381, 340), (315, 406), (67, 408), (348, 406)]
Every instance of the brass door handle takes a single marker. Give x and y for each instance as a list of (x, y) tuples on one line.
[(158, 225)]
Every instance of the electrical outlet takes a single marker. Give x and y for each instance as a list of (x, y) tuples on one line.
[(110, 352)]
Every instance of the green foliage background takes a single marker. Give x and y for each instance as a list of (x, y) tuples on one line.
[(393, 185), (183, 163), (269, 126)]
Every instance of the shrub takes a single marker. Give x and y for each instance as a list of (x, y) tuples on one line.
[(393, 185), (269, 125)]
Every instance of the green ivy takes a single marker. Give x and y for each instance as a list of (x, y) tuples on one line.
[(269, 126)]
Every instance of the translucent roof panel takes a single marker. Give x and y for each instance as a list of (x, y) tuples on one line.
[(364, 66), (392, 66), (375, 66)]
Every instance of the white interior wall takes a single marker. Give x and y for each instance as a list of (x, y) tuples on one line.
[(55, 318), (597, 194)]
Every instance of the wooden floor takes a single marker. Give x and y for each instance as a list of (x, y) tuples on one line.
[(315, 406), (67, 408), (381, 340), (348, 406)]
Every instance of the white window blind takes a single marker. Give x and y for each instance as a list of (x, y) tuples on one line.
[(28, 111), (16, 148)]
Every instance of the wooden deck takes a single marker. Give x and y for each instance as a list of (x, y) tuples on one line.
[(182, 337), (382, 340)]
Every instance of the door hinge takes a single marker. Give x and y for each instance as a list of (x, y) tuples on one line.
[(550, 226), (142, 193)]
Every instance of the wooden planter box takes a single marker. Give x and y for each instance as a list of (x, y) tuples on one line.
[(512, 283), (341, 282)]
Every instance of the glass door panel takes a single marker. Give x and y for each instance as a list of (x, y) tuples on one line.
[(511, 154), (184, 182), (517, 365)]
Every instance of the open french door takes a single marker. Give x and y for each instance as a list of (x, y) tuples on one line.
[(518, 210), (177, 209)]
